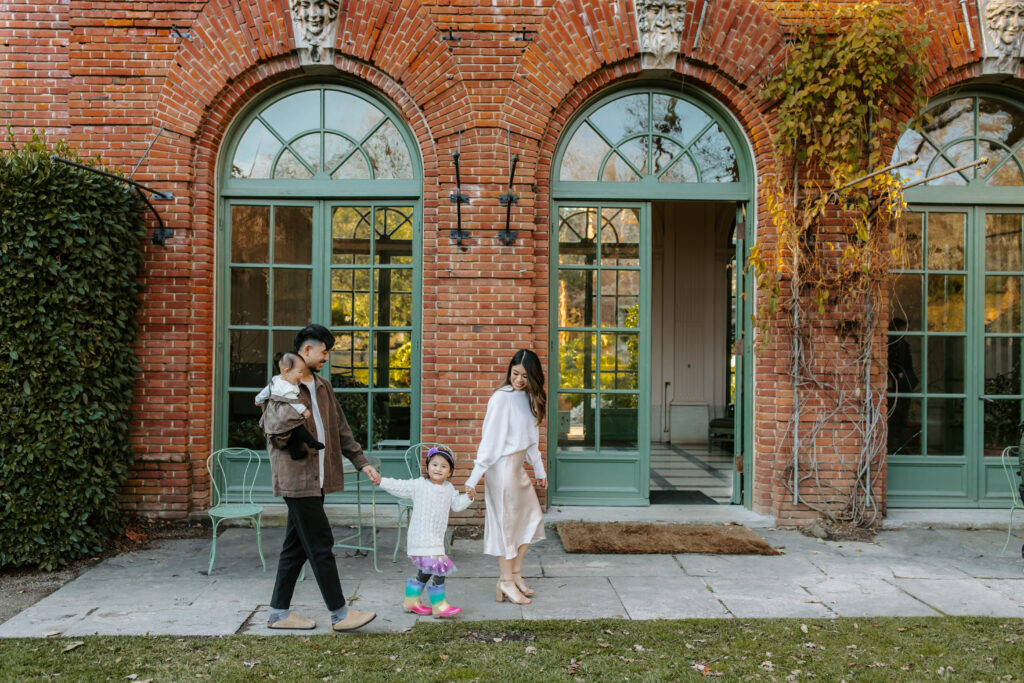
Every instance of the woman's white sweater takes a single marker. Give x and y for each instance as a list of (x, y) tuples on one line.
[(431, 504), (509, 427)]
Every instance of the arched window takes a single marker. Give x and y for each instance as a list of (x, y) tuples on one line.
[(320, 221)]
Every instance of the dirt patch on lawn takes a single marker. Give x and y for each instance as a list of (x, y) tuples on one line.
[(22, 587)]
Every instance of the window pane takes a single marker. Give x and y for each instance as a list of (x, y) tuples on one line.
[(950, 120), (583, 155), (250, 290), (663, 152), (393, 359), (577, 359), (620, 237), (1003, 241), (289, 166), (904, 425), (946, 241), (350, 297), (622, 117), (354, 406), (244, 429), (294, 114), (255, 153), (906, 301), (293, 296), (577, 232), (913, 234), (616, 170), (683, 171), (308, 148), (356, 167), (904, 359), (391, 417), (576, 298), (635, 152), (945, 426), (1002, 303), (335, 149), (350, 360), (715, 157), (619, 423), (576, 420), (248, 367), (1002, 365), (250, 234), (619, 361), (394, 297), (350, 234), (946, 303), (678, 118), (1007, 175), (350, 114), (1001, 420), (281, 341), (945, 365), (620, 298), (393, 234), (293, 234), (388, 153)]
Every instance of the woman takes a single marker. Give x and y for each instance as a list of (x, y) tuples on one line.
[(510, 435)]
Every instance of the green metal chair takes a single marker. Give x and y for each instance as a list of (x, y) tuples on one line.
[(413, 459), (233, 499)]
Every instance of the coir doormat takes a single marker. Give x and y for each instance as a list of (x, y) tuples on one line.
[(628, 537)]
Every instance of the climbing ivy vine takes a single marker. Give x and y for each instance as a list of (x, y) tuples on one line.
[(852, 77)]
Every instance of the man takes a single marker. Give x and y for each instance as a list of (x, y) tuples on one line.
[(302, 483)]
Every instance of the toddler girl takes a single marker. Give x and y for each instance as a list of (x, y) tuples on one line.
[(432, 497)]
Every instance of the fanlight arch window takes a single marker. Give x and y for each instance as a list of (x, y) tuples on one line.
[(956, 131), (324, 133), (649, 136)]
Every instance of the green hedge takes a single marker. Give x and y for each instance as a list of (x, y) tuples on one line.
[(70, 252)]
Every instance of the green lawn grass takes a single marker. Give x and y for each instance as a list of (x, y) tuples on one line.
[(890, 649)]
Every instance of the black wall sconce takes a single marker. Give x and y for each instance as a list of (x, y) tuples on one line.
[(456, 197), (507, 200)]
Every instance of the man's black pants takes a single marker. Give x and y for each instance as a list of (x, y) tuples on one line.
[(308, 535)]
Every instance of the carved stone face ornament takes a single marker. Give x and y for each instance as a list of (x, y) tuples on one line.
[(315, 25), (660, 24), (1004, 34)]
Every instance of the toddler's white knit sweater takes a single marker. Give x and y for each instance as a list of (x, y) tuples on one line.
[(430, 506)]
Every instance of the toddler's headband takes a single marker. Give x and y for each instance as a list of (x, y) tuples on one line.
[(443, 453)]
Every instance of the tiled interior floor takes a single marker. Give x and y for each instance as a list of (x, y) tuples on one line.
[(692, 467)]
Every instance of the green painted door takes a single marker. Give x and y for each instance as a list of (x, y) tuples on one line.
[(955, 391), (599, 450)]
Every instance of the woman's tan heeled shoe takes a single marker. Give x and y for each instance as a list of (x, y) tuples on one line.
[(517, 579), (506, 590)]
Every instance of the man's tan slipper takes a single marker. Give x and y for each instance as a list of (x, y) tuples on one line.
[(354, 620), (293, 620)]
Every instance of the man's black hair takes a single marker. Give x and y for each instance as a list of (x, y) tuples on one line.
[(315, 333)]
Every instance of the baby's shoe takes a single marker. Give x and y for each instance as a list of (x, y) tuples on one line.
[(413, 589), (442, 610)]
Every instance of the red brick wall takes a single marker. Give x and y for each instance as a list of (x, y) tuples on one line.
[(108, 75)]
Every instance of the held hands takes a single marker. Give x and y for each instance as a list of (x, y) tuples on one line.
[(306, 413), (470, 491), (372, 474), (542, 483)]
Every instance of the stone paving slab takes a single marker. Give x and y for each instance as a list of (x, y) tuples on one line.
[(676, 597), (762, 596), (867, 597), (964, 597)]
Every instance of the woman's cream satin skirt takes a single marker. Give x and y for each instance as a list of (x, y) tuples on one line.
[(513, 515)]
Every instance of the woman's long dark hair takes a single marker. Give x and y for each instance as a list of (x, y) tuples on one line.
[(534, 381)]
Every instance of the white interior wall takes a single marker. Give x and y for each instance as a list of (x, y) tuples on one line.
[(690, 252)]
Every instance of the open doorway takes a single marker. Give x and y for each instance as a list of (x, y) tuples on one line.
[(693, 369)]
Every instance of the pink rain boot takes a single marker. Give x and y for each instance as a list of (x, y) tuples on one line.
[(413, 589), (442, 610)]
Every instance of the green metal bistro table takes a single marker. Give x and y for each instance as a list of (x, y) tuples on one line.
[(356, 540)]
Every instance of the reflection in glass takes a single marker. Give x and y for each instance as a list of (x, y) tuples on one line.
[(308, 149), (391, 417), (945, 426), (393, 359), (1007, 175), (619, 361), (281, 340), (945, 364), (576, 298), (946, 241), (577, 357), (906, 300), (393, 234), (903, 353), (349, 114), (289, 166), (1002, 303), (577, 232), (248, 354), (293, 296), (576, 419), (620, 298), (394, 297), (388, 153), (622, 117), (350, 359), (335, 149), (635, 152), (619, 420), (663, 152), (945, 303), (905, 425), (942, 165), (911, 224), (255, 152), (355, 405), (294, 114), (683, 171), (354, 168), (616, 170), (293, 234), (250, 234), (250, 291), (620, 237), (1001, 420), (715, 157), (949, 121), (583, 155), (350, 235), (350, 297), (1003, 241), (1002, 366), (678, 118), (244, 429)]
